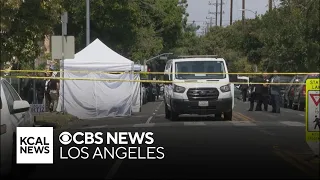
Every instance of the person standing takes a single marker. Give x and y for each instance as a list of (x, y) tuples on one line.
[(252, 98), (275, 93), (47, 93), (54, 92), (244, 91), (265, 93), (262, 93), (256, 94), (158, 90), (40, 89), (28, 89)]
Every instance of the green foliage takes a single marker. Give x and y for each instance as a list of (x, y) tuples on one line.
[(286, 38), (25, 27)]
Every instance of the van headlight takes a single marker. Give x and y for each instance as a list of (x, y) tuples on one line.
[(178, 89), (225, 88)]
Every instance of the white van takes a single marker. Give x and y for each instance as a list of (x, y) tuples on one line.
[(198, 93)]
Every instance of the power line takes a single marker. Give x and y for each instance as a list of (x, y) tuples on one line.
[(243, 11)]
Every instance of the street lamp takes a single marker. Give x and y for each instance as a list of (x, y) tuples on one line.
[(254, 12)]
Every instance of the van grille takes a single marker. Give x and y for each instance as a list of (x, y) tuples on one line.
[(203, 94)]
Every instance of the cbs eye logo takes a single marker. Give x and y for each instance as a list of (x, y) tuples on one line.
[(65, 138)]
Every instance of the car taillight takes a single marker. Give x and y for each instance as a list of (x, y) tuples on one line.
[(304, 90)]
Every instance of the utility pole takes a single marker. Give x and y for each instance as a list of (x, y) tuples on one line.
[(209, 24), (270, 5), (210, 21), (231, 11), (88, 22), (221, 12), (216, 4), (243, 12)]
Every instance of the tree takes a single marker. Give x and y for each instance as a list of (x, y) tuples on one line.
[(28, 25)]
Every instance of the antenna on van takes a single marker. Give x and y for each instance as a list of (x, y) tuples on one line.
[(198, 56)]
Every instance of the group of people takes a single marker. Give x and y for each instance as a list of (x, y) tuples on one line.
[(261, 93), (46, 90)]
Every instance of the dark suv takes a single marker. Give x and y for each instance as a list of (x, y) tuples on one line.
[(288, 94), (299, 98)]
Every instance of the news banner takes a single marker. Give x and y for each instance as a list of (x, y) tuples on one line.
[(35, 145)]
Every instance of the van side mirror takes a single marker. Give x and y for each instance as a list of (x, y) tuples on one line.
[(20, 106), (233, 78)]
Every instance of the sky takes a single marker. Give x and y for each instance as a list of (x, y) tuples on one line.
[(198, 10)]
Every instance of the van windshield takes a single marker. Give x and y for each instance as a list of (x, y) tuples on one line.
[(200, 70)]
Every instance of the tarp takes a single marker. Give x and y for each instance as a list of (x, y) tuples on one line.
[(97, 99)]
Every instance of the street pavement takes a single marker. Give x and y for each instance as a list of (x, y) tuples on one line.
[(252, 145)]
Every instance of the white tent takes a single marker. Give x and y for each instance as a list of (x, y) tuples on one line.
[(98, 99)]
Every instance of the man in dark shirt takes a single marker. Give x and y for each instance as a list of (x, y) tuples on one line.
[(261, 94), (28, 89), (40, 89), (244, 91)]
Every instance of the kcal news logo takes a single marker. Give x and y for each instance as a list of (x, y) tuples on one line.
[(109, 145), (34, 145)]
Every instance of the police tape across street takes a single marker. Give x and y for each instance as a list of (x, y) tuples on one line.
[(35, 145), (142, 72), (143, 81)]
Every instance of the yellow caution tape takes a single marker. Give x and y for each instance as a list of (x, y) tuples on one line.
[(117, 72), (151, 81)]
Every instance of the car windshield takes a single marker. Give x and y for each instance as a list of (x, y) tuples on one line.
[(200, 70), (285, 79)]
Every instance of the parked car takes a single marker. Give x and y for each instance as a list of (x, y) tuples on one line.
[(15, 112), (283, 79), (288, 94), (299, 99)]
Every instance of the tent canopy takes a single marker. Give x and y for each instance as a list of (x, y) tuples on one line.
[(98, 56)]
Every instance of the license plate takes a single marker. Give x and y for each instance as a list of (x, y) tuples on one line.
[(203, 103)]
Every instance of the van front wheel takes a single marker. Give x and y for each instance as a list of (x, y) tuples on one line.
[(227, 116)]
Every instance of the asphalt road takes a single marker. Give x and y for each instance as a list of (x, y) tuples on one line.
[(254, 145)]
